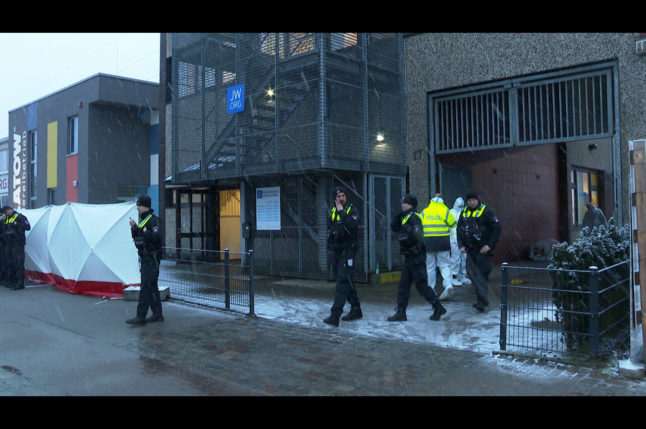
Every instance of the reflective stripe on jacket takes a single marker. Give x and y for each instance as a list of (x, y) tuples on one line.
[(335, 216), (466, 213)]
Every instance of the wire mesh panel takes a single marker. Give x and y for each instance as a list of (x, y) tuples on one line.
[(313, 105), (208, 277), (310, 100), (579, 312)]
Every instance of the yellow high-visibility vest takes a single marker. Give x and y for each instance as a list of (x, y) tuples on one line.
[(437, 220), (144, 222), (335, 215), (473, 213), (11, 219), (404, 220)]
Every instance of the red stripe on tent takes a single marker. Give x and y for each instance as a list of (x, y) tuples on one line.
[(84, 287)]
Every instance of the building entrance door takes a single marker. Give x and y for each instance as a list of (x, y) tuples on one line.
[(197, 225)]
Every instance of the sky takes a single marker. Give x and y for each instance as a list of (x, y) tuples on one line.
[(35, 65)]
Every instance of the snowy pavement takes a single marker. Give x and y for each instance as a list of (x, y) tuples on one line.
[(462, 327)]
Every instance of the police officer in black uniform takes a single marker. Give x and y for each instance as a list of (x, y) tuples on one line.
[(4, 255), (408, 223), (15, 225), (478, 233), (343, 225), (147, 236)]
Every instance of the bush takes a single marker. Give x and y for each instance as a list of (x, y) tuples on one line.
[(602, 246)]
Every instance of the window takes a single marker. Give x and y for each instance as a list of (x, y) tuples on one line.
[(33, 173), (4, 160), (585, 185), (73, 133)]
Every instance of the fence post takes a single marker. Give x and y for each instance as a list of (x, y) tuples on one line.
[(227, 286), (593, 287), (251, 286), (503, 306)]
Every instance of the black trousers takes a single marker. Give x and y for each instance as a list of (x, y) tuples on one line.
[(414, 270), (343, 263), (478, 269), (4, 262), (149, 291), (15, 254)]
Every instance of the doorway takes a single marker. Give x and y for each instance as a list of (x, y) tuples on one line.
[(229, 221), (196, 219)]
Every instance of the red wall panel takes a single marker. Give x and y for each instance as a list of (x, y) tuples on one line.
[(72, 171)]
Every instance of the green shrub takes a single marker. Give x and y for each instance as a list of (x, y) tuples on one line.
[(602, 246)]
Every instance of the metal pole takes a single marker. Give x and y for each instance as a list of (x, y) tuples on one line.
[(227, 286), (251, 285), (594, 309), (503, 306)]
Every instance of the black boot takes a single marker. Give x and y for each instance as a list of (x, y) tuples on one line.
[(136, 321), (155, 318), (439, 311), (354, 314), (332, 320), (400, 316)]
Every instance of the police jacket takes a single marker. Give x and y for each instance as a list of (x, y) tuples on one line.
[(437, 220), (147, 236), (342, 228), (408, 225), (478, 227), (14, 229)]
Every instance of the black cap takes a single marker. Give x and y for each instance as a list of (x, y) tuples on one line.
[(410, 199), (6, 208), (471, 194), (144, 200), (338, 190)]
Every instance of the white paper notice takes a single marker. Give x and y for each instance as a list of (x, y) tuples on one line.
[(268, 208)]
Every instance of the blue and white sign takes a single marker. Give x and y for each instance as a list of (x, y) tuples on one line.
[(235, 98), (268, 208)]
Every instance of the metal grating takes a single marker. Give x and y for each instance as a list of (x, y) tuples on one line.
[(521, 112), (312, 101)]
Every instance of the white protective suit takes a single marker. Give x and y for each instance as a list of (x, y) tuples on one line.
[(458, 259)]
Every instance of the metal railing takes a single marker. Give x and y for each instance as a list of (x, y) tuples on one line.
[(207, 277), (568, 312)]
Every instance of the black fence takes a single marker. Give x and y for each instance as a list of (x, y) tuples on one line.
[(209, 277), (569, 312)]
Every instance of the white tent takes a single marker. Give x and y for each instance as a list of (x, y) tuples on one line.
[(82, 248)]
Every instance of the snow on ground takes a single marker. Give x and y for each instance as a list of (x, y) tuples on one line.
[(462, 327)]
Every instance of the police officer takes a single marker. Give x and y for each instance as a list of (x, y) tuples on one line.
[(15, 224), (478, 234), (4, 279), (147, 236), (408, 224), (343, 224)]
